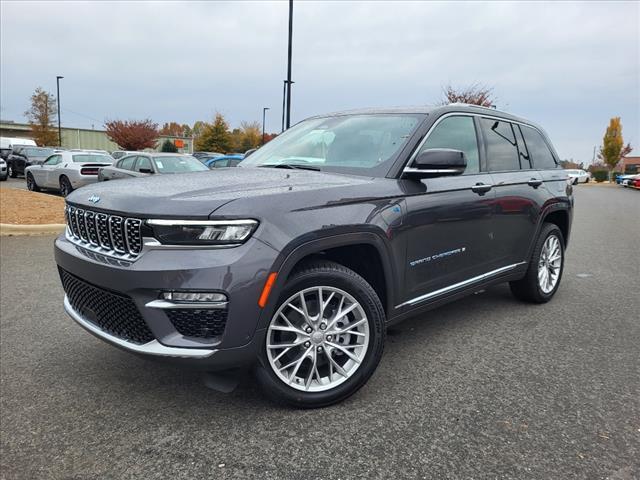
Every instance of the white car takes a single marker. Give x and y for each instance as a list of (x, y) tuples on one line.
[(66, 171), (4, 172), (578, 176)]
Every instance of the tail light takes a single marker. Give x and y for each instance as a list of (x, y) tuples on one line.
[(89, 171)]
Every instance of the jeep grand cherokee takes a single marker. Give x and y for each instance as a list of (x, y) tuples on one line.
[(296, 262)]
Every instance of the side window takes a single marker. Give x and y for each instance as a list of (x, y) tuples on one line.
[(221, 164), (143, 163), (525, 159), (541, 156), (457, 133), (502, 152), (52, 160), (234, 163), (126, 163)]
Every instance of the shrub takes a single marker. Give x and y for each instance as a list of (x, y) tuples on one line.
[(168, 146), (601, 175)]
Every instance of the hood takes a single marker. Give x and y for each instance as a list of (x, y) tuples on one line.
[(199, 194)]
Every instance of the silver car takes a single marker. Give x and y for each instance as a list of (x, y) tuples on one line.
[(142, 164), (66, 171)]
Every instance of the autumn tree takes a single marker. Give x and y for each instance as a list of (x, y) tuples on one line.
[(132, 134), (214, 137), (40, 116), (475, 95), (248, 136), (172, 129), (613, 147)]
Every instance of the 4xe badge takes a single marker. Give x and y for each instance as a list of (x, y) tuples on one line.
[(94, 198)]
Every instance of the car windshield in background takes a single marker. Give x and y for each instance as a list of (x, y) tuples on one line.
[(38, 152), (166, 164), (360, 144), (90, 158)]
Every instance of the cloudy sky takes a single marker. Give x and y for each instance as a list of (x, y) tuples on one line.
[(568, 65)]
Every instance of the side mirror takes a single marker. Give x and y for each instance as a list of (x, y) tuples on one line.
[(437, 162), (145, 170)]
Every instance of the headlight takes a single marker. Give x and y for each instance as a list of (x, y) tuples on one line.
[(203, 232)]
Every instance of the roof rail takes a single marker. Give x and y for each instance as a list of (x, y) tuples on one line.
[(492, 107)]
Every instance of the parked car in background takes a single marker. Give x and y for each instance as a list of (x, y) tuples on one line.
[(578, 176), (22, 156), (629, 180), (121, 153), (4, 172), (223, 161), (142, 164), (66, 171), (10, 142), (88, 150), (636, 182), (249, 152), (200, 155), (622, 179)]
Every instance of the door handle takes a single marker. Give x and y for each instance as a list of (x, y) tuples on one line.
[(534, 182), (481, 188)]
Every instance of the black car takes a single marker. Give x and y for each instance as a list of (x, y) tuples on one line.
[(295, 262), (23, 156)]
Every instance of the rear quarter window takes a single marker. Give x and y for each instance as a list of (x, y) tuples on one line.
[(541, 156)]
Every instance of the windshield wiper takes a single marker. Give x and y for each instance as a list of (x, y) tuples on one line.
[(295, 166)]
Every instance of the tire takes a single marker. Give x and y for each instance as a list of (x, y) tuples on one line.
[(535, 287), (65, 186), (341, 373), (32, 186), (12, 171)]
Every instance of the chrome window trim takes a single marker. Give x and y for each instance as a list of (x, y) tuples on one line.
[(455, 286)]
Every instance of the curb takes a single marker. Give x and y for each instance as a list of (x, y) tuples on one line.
[(7, 229)]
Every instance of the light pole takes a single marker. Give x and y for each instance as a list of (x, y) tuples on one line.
[(58, 98), (284, 103), (289, 82), (264, 113)]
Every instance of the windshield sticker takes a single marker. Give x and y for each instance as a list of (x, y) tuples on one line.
[(159, 164), (437, 256)]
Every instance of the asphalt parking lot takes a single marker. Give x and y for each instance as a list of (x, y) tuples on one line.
[(484, 388)]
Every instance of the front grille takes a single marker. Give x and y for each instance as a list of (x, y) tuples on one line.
[(201, 323), (113, 313), (109, 234)]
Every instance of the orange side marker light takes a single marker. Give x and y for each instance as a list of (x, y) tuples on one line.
[(264, 296)]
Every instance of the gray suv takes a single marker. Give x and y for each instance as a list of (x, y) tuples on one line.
[(295, 262)]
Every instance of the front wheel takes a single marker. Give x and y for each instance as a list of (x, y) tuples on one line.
[(65, 186), (543, 276), (324, 340), (32, 186), (12, 171)]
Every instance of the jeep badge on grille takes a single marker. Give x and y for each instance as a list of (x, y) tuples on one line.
[(94, 198)]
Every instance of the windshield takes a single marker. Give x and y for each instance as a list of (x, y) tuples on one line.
[(360, 144), (88, 157), (166, 164), (38, 152)]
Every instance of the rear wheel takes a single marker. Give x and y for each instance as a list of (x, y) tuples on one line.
[(65, 186), (543, 276), (31, 183), (325, 339)]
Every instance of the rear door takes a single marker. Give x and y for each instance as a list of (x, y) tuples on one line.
[(449, 224), (519, 190)]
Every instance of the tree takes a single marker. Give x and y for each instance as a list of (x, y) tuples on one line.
[(186, 130), (613, 147), (214, 137), (132, 134), (40, 116), (172, 129), (475, 95), (248, 136), (168, 146)]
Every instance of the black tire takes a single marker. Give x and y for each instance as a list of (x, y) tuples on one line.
[(32, 186), (528, 289), (65, 186), (12, 171), (326, 273)]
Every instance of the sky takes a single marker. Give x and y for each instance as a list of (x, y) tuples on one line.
[(569, 66)]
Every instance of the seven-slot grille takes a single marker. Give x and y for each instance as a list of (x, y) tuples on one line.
[(111, 233)]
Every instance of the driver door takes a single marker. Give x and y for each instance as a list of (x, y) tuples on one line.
[(43, 173)]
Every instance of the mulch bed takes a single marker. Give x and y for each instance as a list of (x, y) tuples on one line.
[(21, 207)]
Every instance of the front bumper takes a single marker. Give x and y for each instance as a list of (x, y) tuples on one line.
[(238, 272)]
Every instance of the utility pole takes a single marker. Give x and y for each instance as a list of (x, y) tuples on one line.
[(264, 112), (58, 98), (288, 84)]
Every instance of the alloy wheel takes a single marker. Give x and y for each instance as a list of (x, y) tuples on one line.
[(317, 339), (549, 264)]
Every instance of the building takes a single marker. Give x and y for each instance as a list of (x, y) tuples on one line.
[(87, 138), (629, 165)]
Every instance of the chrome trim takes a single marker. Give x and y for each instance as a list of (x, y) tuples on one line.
[(431, 170), (166, 304), (152, 244), (169, 222), (455, 286), (154, 347)]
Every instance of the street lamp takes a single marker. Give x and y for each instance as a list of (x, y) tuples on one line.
[(289, 82), (264, 112), (284, 102), (58, 98)]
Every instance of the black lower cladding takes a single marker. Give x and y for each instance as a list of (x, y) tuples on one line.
[(201, 323), (113, 313)]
